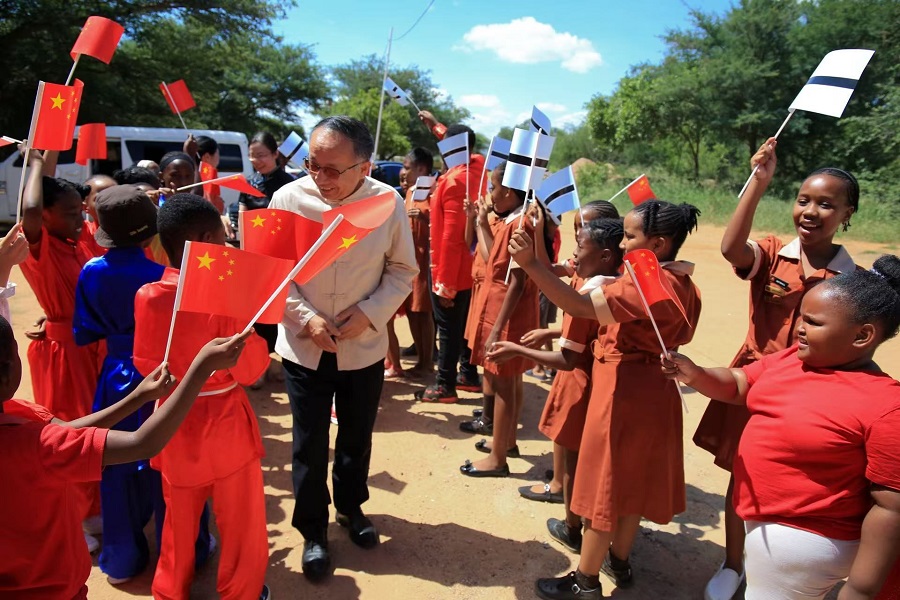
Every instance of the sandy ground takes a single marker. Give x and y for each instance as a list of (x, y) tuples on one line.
[(448, 536)]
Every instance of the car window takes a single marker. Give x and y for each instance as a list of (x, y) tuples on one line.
[(231, 159), (151, 150)]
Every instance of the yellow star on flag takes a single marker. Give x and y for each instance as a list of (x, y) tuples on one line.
[(225, 253), (58, 101), (221, 278), (258, 221), (205, 262), (347, 242), (230, 272)]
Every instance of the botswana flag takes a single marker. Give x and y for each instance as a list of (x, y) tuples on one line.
[(497, 153), (423, 188), (294, 148), (529, 154), (455, 150), (539, 121), (396, 92), (559, 194), (832, 83)]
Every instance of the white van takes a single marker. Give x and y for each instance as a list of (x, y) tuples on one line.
[(126, 146)]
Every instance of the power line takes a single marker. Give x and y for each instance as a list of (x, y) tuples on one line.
[(416, 23)]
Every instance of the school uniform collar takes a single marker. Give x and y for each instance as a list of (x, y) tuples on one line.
[(679, 267), (592, 283), (841, 263), (515, 214)]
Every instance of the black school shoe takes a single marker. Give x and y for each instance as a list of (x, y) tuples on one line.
[(362, 531), (560, 531), (566, 588), (316, 560), (477, 425), (618, 569)]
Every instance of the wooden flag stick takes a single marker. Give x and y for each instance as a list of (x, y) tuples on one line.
[(299, 266), (387, 61), (178, 292), (28, 145), (756, 168), (72, 70), (175, 106), (655, 327), (627, 186)]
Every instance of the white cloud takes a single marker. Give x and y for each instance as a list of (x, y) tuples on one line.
[(488, 113), (551, 107), (572, 118), (472, 101), (528, 41)]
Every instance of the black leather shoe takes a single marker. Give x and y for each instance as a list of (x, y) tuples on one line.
[(618, 569), (316, 560), (477, 425), (570, 538), (362, 531), (565, 588)]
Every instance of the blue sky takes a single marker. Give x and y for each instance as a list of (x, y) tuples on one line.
[(499, 57)]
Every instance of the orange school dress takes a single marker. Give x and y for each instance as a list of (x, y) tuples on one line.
[(777, 285), (476, 304), (420, 298), (631, 459), (566, 408), (524, 316)]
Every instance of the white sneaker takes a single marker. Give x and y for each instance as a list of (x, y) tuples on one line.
[(92, 544), (723, 585), (93, 525)]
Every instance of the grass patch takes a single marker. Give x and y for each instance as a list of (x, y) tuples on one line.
[(876, 222)]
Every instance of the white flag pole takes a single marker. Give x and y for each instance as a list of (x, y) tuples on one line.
[(413, 102), (528, 194), (756, 168), (11, 140), (627, 186), (387, 61), (175, 106), (72, 70), (468, 165), (655, 327), (28, 145), (216, 180), (178, 292), (299, 266), (487, 158)]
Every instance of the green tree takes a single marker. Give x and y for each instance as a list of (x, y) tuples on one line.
[(394, 121), (242, 77)]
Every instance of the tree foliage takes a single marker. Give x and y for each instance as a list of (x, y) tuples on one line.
[(242, 76)]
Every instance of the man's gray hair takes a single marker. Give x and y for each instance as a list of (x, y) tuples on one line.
[(354, 130)]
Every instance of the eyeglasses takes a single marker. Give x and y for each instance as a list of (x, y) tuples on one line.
[(330, 172)]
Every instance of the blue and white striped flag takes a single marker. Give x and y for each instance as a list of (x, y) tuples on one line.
[(396, 92), (559, 193), (498, 152), (294, 148), (529, 154), (455, 150), (539, 121), (832, 83), (423, 188)]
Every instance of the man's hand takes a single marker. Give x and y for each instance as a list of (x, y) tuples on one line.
[(427, 118), (322, 331), (156, 385), (522, 248), (353, 322)]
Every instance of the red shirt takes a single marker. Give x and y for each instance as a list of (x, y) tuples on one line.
[(220, 434), (815, 441), (451, 258), (42, 549)]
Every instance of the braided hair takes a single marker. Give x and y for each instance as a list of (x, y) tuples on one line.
[(872, 296), (607, 233), (54, 188), (664, 219), (601, 209), (850, 183)]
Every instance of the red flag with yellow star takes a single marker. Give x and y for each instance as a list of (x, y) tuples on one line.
[(279, 233), (220, 280), (360, 219), (640, 190), (56, 111), (649, 278), (98, 38)]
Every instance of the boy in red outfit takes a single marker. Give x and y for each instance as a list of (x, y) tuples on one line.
[(216, 453)]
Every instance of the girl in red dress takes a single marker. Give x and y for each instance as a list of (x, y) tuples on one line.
[(779, 276), (817, 471), (631, 461)]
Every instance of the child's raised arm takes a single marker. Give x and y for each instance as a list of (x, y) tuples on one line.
[(33, 199), (879, 546), (737, 233), (149, 439), (724, 385)]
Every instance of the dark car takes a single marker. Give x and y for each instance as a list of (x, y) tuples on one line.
[(388, 171)]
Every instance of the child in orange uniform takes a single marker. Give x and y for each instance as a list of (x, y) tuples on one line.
[(779, 276), (817, 471), (217, 451), (44, 459), (597, 260), (631, 461), (509, 311)]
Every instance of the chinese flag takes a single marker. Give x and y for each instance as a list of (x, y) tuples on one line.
[(6, 141), (649, 279), (239, 182), (98, 38), (279, 233), (57, 110), (220, 280), (360, 219), (640, 191), (91, 143), (178, 96)]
